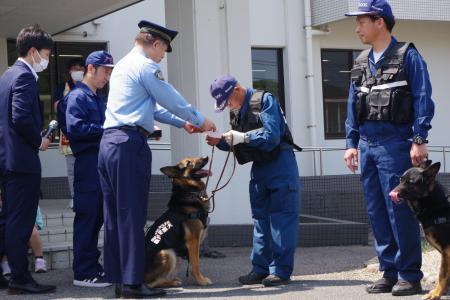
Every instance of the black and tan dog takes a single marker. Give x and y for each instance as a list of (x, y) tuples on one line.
[(181, 229), (430, 202)]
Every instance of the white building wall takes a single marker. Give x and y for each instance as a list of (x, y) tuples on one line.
[(3, 55)]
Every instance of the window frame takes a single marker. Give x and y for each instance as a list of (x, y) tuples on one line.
[(350, 57), (280, 73)]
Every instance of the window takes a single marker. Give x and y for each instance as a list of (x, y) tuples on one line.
[(56, 74), (336, 66), (267, 71)]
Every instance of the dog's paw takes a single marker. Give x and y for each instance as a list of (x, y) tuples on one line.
[(433, 295), (177, 282), (204, 281)]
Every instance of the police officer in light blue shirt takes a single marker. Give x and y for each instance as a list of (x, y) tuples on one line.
[(138, 96)]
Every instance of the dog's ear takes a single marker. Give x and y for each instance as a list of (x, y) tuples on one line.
[(170, 171), (431, 171), (425, 164)]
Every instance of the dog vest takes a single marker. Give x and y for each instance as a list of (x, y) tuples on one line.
[(384, 96), (251, 121), (167, 233)]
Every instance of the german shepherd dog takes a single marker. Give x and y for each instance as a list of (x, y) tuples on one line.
[(429, 200), (181, 229)]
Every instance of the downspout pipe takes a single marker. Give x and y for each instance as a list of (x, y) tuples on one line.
[(312, 126)]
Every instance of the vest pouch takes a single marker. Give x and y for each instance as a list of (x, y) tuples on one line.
[(378, 105), (402, 107), (389, 72), (361, 104)]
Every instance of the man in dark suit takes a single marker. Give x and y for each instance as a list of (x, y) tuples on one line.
[(20, 141)]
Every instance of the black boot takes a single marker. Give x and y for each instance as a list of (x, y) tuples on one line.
[(406, 288), (137, 291), (31, 287), (3, 282), (252, 278), (274, 280), (383, 285)]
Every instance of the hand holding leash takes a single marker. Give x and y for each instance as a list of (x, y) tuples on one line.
[(234, 137)]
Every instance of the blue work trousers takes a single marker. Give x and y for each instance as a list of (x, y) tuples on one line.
[(395, 229), (88, 208), (275, 203)]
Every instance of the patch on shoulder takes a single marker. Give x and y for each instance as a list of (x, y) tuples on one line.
[(159, 75)]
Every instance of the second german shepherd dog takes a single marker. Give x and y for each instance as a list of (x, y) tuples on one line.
[(181, 229), (429, 200)]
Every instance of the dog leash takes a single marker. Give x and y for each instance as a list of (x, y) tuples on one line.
[(204, 197)]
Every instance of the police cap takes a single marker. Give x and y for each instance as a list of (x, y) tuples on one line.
[(156, 30)]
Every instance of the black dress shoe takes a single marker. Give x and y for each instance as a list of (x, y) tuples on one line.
[(274, 280), (383, 285), (252, 278), (3, 282), (138, 291), (406, 288), (31, 287)]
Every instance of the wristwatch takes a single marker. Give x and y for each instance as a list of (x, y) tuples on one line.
[(418, 140)]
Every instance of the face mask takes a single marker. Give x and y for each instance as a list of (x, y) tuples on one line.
[(77, 76), (41, 66)]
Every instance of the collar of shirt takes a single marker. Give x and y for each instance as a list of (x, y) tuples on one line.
[(244, 107), (138, 50), (371, 59), (80, 85), (29, 66)]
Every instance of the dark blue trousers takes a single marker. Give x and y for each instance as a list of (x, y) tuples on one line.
[(125, 169), (20, 201), (395, 229), (275, 204), (88, 208)]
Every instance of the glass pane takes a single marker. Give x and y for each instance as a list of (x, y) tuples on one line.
[(267, 71), (336, 66)]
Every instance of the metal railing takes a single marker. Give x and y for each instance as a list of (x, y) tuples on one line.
[(319, 151)]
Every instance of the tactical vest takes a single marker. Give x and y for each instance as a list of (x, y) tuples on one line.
[(251, 121), (384, 96)]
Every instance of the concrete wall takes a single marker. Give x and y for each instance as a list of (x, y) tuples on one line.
[(3, 55)]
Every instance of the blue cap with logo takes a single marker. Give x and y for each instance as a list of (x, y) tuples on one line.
[(157, 30), (100, 58), (221, 89), (373, 7)]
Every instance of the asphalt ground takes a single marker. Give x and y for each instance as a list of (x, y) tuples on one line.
[(320, 273)]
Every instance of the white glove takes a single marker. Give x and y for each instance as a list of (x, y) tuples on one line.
[(234, 137)]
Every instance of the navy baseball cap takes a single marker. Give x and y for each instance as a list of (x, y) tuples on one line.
[(221, 89), (166, 34), (100, 58), (373, 7)]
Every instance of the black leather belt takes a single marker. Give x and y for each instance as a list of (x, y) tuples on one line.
[(134, 128)]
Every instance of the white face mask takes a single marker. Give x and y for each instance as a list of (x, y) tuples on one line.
[(41, 66), (77, 76)]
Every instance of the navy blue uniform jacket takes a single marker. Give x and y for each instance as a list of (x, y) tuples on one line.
[(85, 115), (20, 120)]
